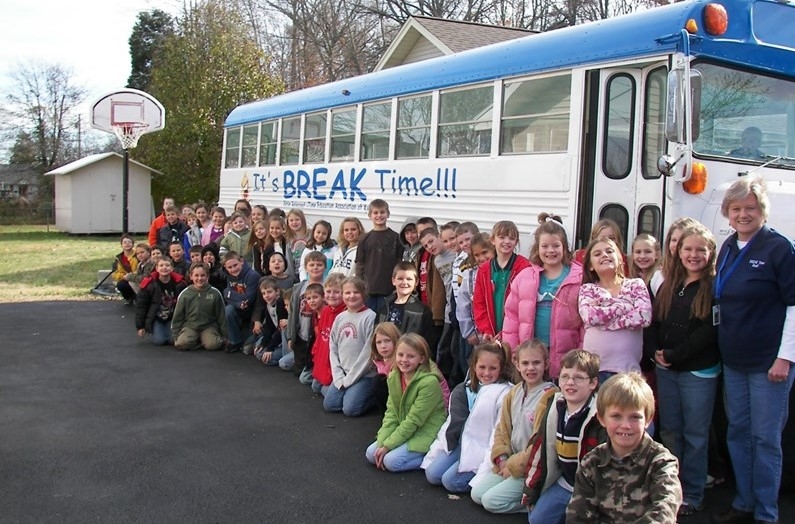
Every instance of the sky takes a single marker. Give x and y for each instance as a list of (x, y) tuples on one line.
[(90, 37)]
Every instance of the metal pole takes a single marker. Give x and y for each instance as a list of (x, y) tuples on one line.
[(125, 189)]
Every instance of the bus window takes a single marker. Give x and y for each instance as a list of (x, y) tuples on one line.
[(738, 105), (654, 123), (617, 145), (414, 127), (315, 138), (465, 121), (343, 134), (267, 144), (376, 120), (618, 214), (232, 147), (291, 136), (535, 115), (250, 136), (649, 220)]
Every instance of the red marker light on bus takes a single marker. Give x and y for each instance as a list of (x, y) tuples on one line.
[(691, 26), (716, 20), (697, 182)]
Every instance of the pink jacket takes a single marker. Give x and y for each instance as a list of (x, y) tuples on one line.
[(483, 295), (566, 330)]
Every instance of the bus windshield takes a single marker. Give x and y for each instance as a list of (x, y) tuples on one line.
[(746, 116)]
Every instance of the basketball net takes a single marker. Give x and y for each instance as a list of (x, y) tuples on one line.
[(128, 133)]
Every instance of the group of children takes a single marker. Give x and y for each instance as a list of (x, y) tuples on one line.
[(395, 319)]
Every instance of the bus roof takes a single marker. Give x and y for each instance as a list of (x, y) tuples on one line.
[(624, 37)]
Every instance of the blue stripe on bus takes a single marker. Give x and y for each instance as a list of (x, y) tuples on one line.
[(624, 37)]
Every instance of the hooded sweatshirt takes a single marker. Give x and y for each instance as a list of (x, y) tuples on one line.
[(199, 309)]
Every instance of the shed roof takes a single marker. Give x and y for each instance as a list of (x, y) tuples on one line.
[(93, 159), (448, 36)]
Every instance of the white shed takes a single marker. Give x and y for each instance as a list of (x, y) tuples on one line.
[(88, 195)]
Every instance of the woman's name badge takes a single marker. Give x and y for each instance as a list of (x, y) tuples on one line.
[(716, 315)]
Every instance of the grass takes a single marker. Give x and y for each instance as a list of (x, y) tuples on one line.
[(40, 265)]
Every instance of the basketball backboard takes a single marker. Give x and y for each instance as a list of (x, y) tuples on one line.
[(128, 106)]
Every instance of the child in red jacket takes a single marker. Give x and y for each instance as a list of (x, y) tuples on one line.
[(321, 371), (494, 280)]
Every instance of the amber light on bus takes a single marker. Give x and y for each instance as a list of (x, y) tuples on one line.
[(716, 20), (691, 26), (697, 182)]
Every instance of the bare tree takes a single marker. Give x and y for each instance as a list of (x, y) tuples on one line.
[(42, 100)]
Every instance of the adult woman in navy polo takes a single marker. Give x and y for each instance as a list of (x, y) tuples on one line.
[(755, 313)]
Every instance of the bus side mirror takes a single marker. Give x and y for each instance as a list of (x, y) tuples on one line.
[(665, 165), (676, 105)]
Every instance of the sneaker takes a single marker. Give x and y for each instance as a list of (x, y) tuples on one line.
[(233, 348), (686, 510), (733, 516), (248, 348)]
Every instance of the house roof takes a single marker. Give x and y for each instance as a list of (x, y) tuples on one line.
[(92, 159), (18, 174), (448, 36)]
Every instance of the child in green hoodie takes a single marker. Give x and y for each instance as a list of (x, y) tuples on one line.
[(415, 409), (199, 317)]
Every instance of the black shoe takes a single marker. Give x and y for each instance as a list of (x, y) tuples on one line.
[(686, 510), (233, 348), (733, 516)]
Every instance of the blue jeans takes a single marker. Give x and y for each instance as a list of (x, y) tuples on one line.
[(275, 357), (319, 388), (398, 459), (686, 403), (550, 508), (237, 321), (444, 471), (757, 411), (161, 333), (287, 361), (353, 401)]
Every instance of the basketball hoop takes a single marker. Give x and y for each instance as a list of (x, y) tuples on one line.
[(128, 133)]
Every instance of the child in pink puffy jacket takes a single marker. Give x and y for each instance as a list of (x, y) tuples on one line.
[(542, 302)]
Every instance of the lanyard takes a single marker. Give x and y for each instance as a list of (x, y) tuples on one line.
[(720, 279)]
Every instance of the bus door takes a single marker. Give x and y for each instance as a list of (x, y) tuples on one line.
[(626, 132)]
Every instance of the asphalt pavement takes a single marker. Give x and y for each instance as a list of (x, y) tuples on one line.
[(101, 426)]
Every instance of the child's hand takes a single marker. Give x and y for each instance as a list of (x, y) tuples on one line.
[(266, 357), (473, 339), (504, 470), (257, 329), (244, 305), (379, 457), (283, 323), (141, 333)]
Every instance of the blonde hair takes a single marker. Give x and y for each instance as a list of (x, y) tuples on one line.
[(626, 390), (340, 235), (289, 233), (634, 270), (418, 344)]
